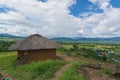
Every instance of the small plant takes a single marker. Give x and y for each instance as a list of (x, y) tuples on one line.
[(107, 71), (75, 47)]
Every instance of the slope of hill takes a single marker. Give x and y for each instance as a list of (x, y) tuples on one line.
[(9, 37)]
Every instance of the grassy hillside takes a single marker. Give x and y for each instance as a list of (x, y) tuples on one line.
[(42, 69), (87, 65), (92, 59)]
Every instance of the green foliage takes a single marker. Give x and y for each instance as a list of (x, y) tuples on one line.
[(75, 47), (92, 50), (4, 45), (63, 50), (91, 53)]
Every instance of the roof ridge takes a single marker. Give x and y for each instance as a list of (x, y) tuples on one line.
[(34, 42)]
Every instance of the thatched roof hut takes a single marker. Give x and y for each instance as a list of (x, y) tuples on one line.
[(34, 42), (34, 48)]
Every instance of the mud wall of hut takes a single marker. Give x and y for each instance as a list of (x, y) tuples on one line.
[(36, 55), (45, 54)]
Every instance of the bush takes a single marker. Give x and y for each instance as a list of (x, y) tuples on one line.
[(4, 45)]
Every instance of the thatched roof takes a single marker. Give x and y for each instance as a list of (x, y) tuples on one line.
[(34, 42)]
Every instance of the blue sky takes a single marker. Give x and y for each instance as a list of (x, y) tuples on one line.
[(115, 3), (3, 9), (84, 6), (61, 18)]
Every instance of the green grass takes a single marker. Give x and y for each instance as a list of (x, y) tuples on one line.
[(106, 72), (5, 54), (9, 39), (42, 69), (72, 72)]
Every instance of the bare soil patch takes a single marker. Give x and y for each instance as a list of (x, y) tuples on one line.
[(4, 75), (93, 72)]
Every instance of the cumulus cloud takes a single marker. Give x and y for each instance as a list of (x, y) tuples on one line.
[(103, 4), (109, 23), (53, 18), (46, 18)]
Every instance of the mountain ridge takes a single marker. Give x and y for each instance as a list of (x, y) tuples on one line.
[(115, 40), (85, 39), (10, 36)]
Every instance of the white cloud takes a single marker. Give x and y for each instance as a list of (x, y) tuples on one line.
[(103, 4), (49, 18), (109, 25), (52, 18)]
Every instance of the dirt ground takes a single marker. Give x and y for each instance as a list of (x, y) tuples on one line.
[(92, 72), (6, 76)]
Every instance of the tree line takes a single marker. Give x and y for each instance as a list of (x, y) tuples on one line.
[(4, 45)]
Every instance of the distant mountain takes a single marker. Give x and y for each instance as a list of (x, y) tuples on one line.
[(63, 39), (10, 36), (115, 40)]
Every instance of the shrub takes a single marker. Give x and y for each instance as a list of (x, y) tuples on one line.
[(4, 45)]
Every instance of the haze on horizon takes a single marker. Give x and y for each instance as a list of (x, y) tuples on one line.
[(60, 18)]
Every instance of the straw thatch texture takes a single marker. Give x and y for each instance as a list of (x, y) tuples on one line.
[(34, 42)]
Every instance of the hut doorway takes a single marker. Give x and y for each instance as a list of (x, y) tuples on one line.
[(23, 57)]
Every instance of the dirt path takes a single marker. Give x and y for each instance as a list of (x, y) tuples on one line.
[(60, 71), (7, 76), (66, 58)]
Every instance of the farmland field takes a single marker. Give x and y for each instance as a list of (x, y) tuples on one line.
[(9, 39)]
